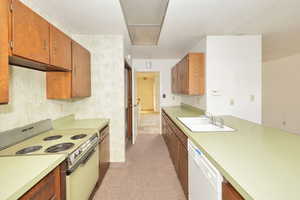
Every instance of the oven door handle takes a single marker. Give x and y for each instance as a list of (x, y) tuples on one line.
[(87, 158), (82, 161)]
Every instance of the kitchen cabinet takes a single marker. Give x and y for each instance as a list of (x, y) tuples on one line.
[(74, 84), (177, 145), (4, 67), (36, 44), (229, 193), (31, 36), (183, 169), (188, 76), (104, 153), (51, 187), (28, 42), (81, 79), (176, 142), (60, 49)]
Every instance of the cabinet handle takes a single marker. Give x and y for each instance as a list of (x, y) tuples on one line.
[(45, 48), (53, 198)]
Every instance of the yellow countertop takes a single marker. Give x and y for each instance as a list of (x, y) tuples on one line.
[(261, 163), (69, 122), (18, 174)]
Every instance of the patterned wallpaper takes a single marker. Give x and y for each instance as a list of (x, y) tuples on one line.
[(28, 102)]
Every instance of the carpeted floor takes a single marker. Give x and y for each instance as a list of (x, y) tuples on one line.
[(148, 174), (149, 124)]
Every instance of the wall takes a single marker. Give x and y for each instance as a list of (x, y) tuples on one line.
[(163, 66), (28, 101), (234, 71), (281, 95)]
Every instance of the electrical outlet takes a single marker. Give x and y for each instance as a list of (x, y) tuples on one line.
[(252, 98), (173, 98), (231, 102), (283, 123)]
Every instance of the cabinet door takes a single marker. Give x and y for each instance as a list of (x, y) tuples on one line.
[(60, 49), (175, 153), (229, 193), (183, 169), (104, 158), (30, 34), (81, 73), (173, 80), (185, 76), (196, 65), (48, 188), (4, 73)]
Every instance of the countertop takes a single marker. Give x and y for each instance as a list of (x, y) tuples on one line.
[(69, 122), (260, 162), (18, 174)]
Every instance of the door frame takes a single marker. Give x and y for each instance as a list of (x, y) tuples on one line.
[(129, 114)]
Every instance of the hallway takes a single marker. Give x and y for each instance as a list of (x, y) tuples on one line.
[(149, 124), (148, 173)]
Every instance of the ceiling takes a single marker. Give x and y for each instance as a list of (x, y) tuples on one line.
[(186, 22)]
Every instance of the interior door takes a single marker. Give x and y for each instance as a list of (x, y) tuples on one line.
[(146, 93), (30, 34)]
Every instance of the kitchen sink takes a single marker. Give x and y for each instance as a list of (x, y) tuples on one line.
[(203, 124)]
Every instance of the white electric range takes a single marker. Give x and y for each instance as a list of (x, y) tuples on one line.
[(79, 145)]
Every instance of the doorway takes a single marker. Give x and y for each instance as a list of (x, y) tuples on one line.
[(148, 92), (148, 99)]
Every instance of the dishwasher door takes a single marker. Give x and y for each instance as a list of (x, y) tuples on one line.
[(205, 181)]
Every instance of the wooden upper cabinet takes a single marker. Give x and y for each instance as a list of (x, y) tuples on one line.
[(4, 53), (196, 74), (60, 49), (34, 43), (74, 84), (81, 74), (30, 34), (189, 75)]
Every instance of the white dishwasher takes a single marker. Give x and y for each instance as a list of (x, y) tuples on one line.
[(205, 181)]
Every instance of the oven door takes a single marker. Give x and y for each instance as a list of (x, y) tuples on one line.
[(82, 180)]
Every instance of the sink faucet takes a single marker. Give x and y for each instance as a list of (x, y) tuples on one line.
[(217, 121), (220, 122)]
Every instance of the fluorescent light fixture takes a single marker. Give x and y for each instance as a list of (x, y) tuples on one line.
[(144, 19)]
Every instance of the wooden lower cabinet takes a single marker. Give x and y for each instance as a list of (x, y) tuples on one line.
[(104, 154), (178, 151), (183, 169), (229, 193), (104, 158), (176, 142), (52, 187)]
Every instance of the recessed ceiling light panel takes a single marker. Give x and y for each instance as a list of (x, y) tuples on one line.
[(144, 20)]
